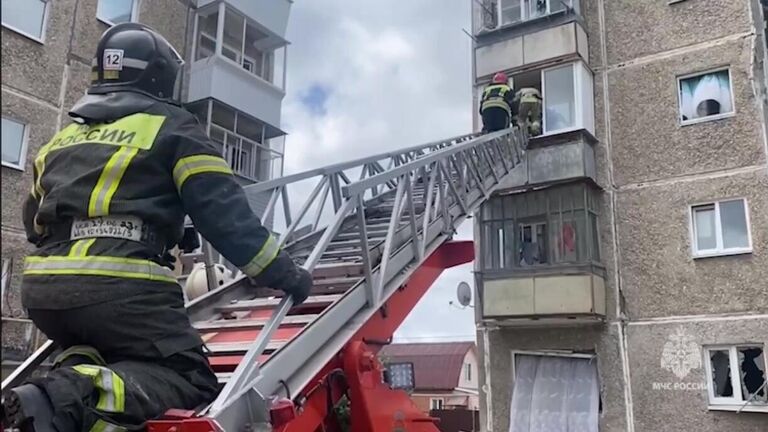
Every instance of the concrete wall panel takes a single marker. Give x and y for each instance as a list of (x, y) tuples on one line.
[(499, 56), (659, 277), (648, 141), (549, 43), (666, 408), (636, 28)]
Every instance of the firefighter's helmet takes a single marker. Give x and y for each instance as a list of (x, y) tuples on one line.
[(133, 57), (500, 78)]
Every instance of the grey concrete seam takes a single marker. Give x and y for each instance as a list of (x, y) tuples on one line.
[(23, 95), (677, 51), (709, 175)]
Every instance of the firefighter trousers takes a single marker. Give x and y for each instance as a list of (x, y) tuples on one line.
[(124, 362), (495, 119)]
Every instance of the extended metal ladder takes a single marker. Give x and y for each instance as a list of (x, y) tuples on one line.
[(363, 240)]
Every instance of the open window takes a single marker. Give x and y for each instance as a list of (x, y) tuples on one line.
[(736, 377)]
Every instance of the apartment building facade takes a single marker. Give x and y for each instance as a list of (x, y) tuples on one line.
[(234, 81), (622, 273)]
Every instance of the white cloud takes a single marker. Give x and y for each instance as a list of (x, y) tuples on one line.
[(395, 74)]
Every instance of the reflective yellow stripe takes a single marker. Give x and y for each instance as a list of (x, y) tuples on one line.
[(198, 164), (106, 186), (40, 167), (496, 104), (263, 259), (80, 247), (110, 386), (129, 268), (81, 350)]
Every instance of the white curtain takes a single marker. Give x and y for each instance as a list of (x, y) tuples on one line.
[(554, 394)]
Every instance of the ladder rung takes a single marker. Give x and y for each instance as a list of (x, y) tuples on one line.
[(268, 303), (236, 348), (250, 324), (223, 377), (338, 270)]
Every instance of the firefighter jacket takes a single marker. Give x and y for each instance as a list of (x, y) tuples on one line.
[(109, 198), (498, 96)]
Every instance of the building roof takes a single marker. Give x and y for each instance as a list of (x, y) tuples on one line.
[(436, 366)]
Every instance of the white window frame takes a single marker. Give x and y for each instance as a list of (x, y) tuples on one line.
[(134, 13), (719, 249), (737, 401), (468, 371), (523, 17), (434, 402), (23, 151), (680, 78), (580, 121), (43, 27), (5, 281)]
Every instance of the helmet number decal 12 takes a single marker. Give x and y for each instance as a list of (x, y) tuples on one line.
[(113, 59)]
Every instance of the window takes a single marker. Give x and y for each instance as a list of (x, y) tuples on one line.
[(720, 228), (14, 136), (704, 97), (436, 403), (513, 11), (468, 371), (117, 11), (554, 392), (4, 284), (243, 42), (26, 17), (548, 227), (567, 96), (736, 377)]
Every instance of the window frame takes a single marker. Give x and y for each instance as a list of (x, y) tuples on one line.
[(523, 19), (468, 371), (721, 116), (737, 402), (134, 13), (43, 26), (440, 401), (21, 166), (578, 71), (719, 249)]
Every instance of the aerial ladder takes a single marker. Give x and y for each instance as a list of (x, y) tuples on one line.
[(374, 245)]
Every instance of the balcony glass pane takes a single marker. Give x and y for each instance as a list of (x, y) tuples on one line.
[(510, 11), (559, 99), (234, 25), (734, 221), (207, 25)]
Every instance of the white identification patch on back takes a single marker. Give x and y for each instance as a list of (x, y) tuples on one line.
[(113, 59)]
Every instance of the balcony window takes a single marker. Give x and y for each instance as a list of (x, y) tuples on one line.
[(26, 17), (243, 42), (117, 11), (516, 11), (240, 139), (554, 226)]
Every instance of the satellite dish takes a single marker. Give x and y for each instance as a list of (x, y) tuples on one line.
[(464, 293)]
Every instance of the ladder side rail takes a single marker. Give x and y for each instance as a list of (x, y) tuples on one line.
[(24, 370)]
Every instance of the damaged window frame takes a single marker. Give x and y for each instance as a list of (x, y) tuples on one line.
[(736, 402), (708, 118)]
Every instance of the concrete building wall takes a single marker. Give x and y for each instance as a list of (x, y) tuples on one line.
[(652, 169), (40, 82)]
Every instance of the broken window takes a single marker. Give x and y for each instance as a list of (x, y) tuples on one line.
[(551, 226), (737, 375), (705, 96)]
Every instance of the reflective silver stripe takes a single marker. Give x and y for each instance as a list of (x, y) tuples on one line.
[(99, 266), (263, 259), (107, 401), (198, 164), (111, 387), (134, 63)]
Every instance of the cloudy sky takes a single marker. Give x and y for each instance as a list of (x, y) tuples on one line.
[(369, 76)]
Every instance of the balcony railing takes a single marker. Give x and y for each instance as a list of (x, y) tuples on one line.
[(247, 158)]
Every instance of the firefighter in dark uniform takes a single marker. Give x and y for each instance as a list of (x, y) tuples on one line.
[(496, 104), (108, 202)]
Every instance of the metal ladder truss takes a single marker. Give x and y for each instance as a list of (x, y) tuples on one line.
[(361, 239)]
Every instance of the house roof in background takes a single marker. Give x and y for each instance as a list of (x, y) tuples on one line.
[(436, 366)]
